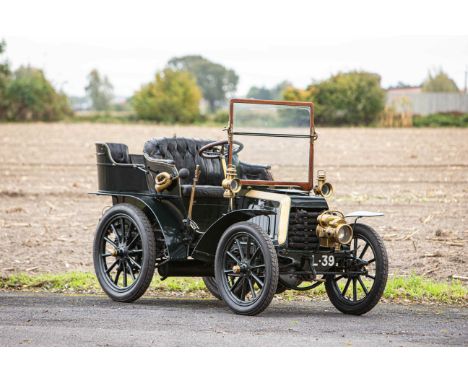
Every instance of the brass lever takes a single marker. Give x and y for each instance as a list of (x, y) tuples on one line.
[(192, 194)]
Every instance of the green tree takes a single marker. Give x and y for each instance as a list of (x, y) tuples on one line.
[(100, 91), (352, 98), (295, 94), (215, 81), (5, 76), (173, 97), (31, 97), (439, 81), (274, 93), (259, 93)]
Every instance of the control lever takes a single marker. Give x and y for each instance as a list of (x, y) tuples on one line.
[(192, 194)]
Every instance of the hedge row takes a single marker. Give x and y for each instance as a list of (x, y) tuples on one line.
[(441, 120)]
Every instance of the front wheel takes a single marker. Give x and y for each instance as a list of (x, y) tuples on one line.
[(212, 286), (360, 290), (246, 268)]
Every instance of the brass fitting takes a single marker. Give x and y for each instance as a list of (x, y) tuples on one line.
[(332, 229), (192, 193), (323, 187), (162, 181), (231, 183)]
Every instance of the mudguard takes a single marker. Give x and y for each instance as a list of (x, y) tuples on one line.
[(205, 249), (363, 214), (166, 213)]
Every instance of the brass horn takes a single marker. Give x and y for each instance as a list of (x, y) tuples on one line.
[(162, 181), (323, 187)]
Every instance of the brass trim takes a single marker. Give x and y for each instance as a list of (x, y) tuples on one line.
[(223, 164), (285, 207)]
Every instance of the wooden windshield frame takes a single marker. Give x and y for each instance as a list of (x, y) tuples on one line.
[(307, 186)]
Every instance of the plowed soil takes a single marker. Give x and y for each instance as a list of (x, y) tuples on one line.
[(417, 177)]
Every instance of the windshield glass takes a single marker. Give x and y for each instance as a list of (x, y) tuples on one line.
[(273, 135)]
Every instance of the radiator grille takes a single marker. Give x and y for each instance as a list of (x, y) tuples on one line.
[(301, 230)]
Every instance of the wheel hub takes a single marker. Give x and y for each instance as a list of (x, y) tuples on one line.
[(242, 267), (121, 251)]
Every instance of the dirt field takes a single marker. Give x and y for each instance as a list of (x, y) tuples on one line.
[(417, 177)]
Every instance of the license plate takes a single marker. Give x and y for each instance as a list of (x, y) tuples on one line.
[(323, 262)]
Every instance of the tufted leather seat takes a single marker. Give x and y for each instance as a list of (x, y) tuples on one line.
[(184, 153)]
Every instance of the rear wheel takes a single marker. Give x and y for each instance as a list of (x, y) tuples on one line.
[(359, 293), (124, 253), (210, 283), (246, 268)]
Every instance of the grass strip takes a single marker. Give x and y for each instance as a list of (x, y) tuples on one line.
[(399, 288)]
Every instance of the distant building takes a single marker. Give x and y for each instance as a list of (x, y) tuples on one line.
[(404, 90), (414, 100), (80, 103)]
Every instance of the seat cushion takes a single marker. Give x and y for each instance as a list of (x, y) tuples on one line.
[(203, 191), (184, 153)]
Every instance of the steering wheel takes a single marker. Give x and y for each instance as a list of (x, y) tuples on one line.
[(219, 149)]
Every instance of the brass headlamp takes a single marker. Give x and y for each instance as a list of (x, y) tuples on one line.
[(332, 229), (323, 187), (231, 183)]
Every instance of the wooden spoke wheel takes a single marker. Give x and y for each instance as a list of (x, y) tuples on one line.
[(361, 288), (124, 253), (246, 268)]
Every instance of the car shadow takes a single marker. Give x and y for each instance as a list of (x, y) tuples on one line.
[(181, 302), (275, 310)]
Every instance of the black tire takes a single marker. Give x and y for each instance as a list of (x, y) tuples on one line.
[(210, 283), (125, 239), (246, 268), (379, 273)]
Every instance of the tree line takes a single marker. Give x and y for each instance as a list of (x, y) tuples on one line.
[(26, 95), (175, 93)]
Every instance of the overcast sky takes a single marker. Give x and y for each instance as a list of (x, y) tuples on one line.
[(265, 42)]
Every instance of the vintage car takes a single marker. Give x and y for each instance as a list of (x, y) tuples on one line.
[(192, 207)]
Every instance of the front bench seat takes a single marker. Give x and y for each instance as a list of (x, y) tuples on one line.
[(184, 153)]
